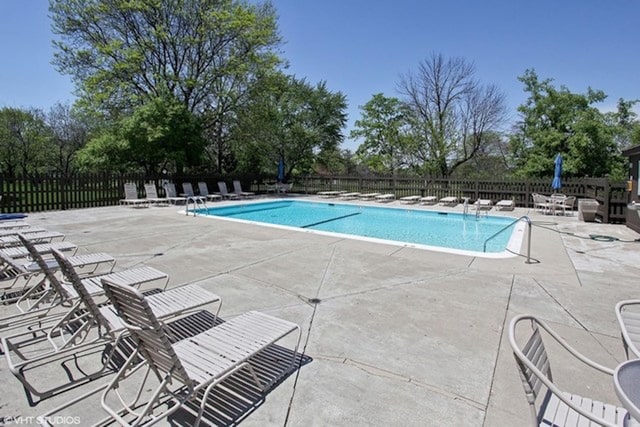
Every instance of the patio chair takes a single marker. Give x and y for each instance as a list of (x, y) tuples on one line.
[(204, 191), (237, 188), (541, 203), (551, 406), (86, 324), (566, 204), (190, 368), (222, 186), (187, 189), (152, 195), (172, 195), (131, 196), (281, 187), (628, 315)]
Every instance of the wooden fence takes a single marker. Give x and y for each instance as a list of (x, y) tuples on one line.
[(51, 192)]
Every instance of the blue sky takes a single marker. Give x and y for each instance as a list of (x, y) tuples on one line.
[(362, 47)]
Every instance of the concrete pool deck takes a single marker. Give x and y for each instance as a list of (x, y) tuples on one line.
[(393, 335)]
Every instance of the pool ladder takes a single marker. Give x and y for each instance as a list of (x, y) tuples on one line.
[(198, 203), (522, 218), (465, 210)]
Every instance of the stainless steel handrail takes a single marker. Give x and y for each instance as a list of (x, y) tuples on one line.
[(196, 201), (522, 218)]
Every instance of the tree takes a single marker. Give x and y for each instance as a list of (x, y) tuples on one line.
[(451, 114), (162, 133), (335, 161), (24, 142), (288, 119), (383, 129), (70, 132), (627, 126), (206, 54), (558, 121)]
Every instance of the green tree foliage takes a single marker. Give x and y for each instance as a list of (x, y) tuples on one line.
[(24, 142), (383, 129), (335, 162), (626, 124), (452, 115), (206, 54), (70, 131), (160, 134), (288, 118), (558, 121)]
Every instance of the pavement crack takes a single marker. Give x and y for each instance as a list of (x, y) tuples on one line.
[(304, 351), (393, 376)]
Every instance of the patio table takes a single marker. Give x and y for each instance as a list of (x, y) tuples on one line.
[(626, 380)]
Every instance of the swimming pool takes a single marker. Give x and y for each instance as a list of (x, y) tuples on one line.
[(426, 229)]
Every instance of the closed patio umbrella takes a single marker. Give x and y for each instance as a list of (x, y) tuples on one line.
[(281, 170), (556, 184)]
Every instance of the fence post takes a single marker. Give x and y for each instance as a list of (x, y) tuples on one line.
[(607, 201)]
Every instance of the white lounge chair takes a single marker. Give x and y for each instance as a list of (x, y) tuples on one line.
[(86, 324), (36, 237), (329, 194), (18, 252), (152, 195), (483, 204), (505, 205), (550, 405), (16, 276), (187, 188), (10, 225), (237, 188), (39, 301), (224, 192), (131, 196), (385, 198), (24, 230), (172, 195), (194, 365), (369, 196), (449, 201), (410, 199), (349, 196), (204, 191), (428, 200)]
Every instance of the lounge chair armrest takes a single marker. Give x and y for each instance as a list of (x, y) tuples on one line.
[(584, 359)]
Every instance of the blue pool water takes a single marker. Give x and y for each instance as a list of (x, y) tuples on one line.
[(431, 229)]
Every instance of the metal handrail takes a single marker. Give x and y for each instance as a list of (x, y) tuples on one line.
[(528, 221), (196, 202)]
